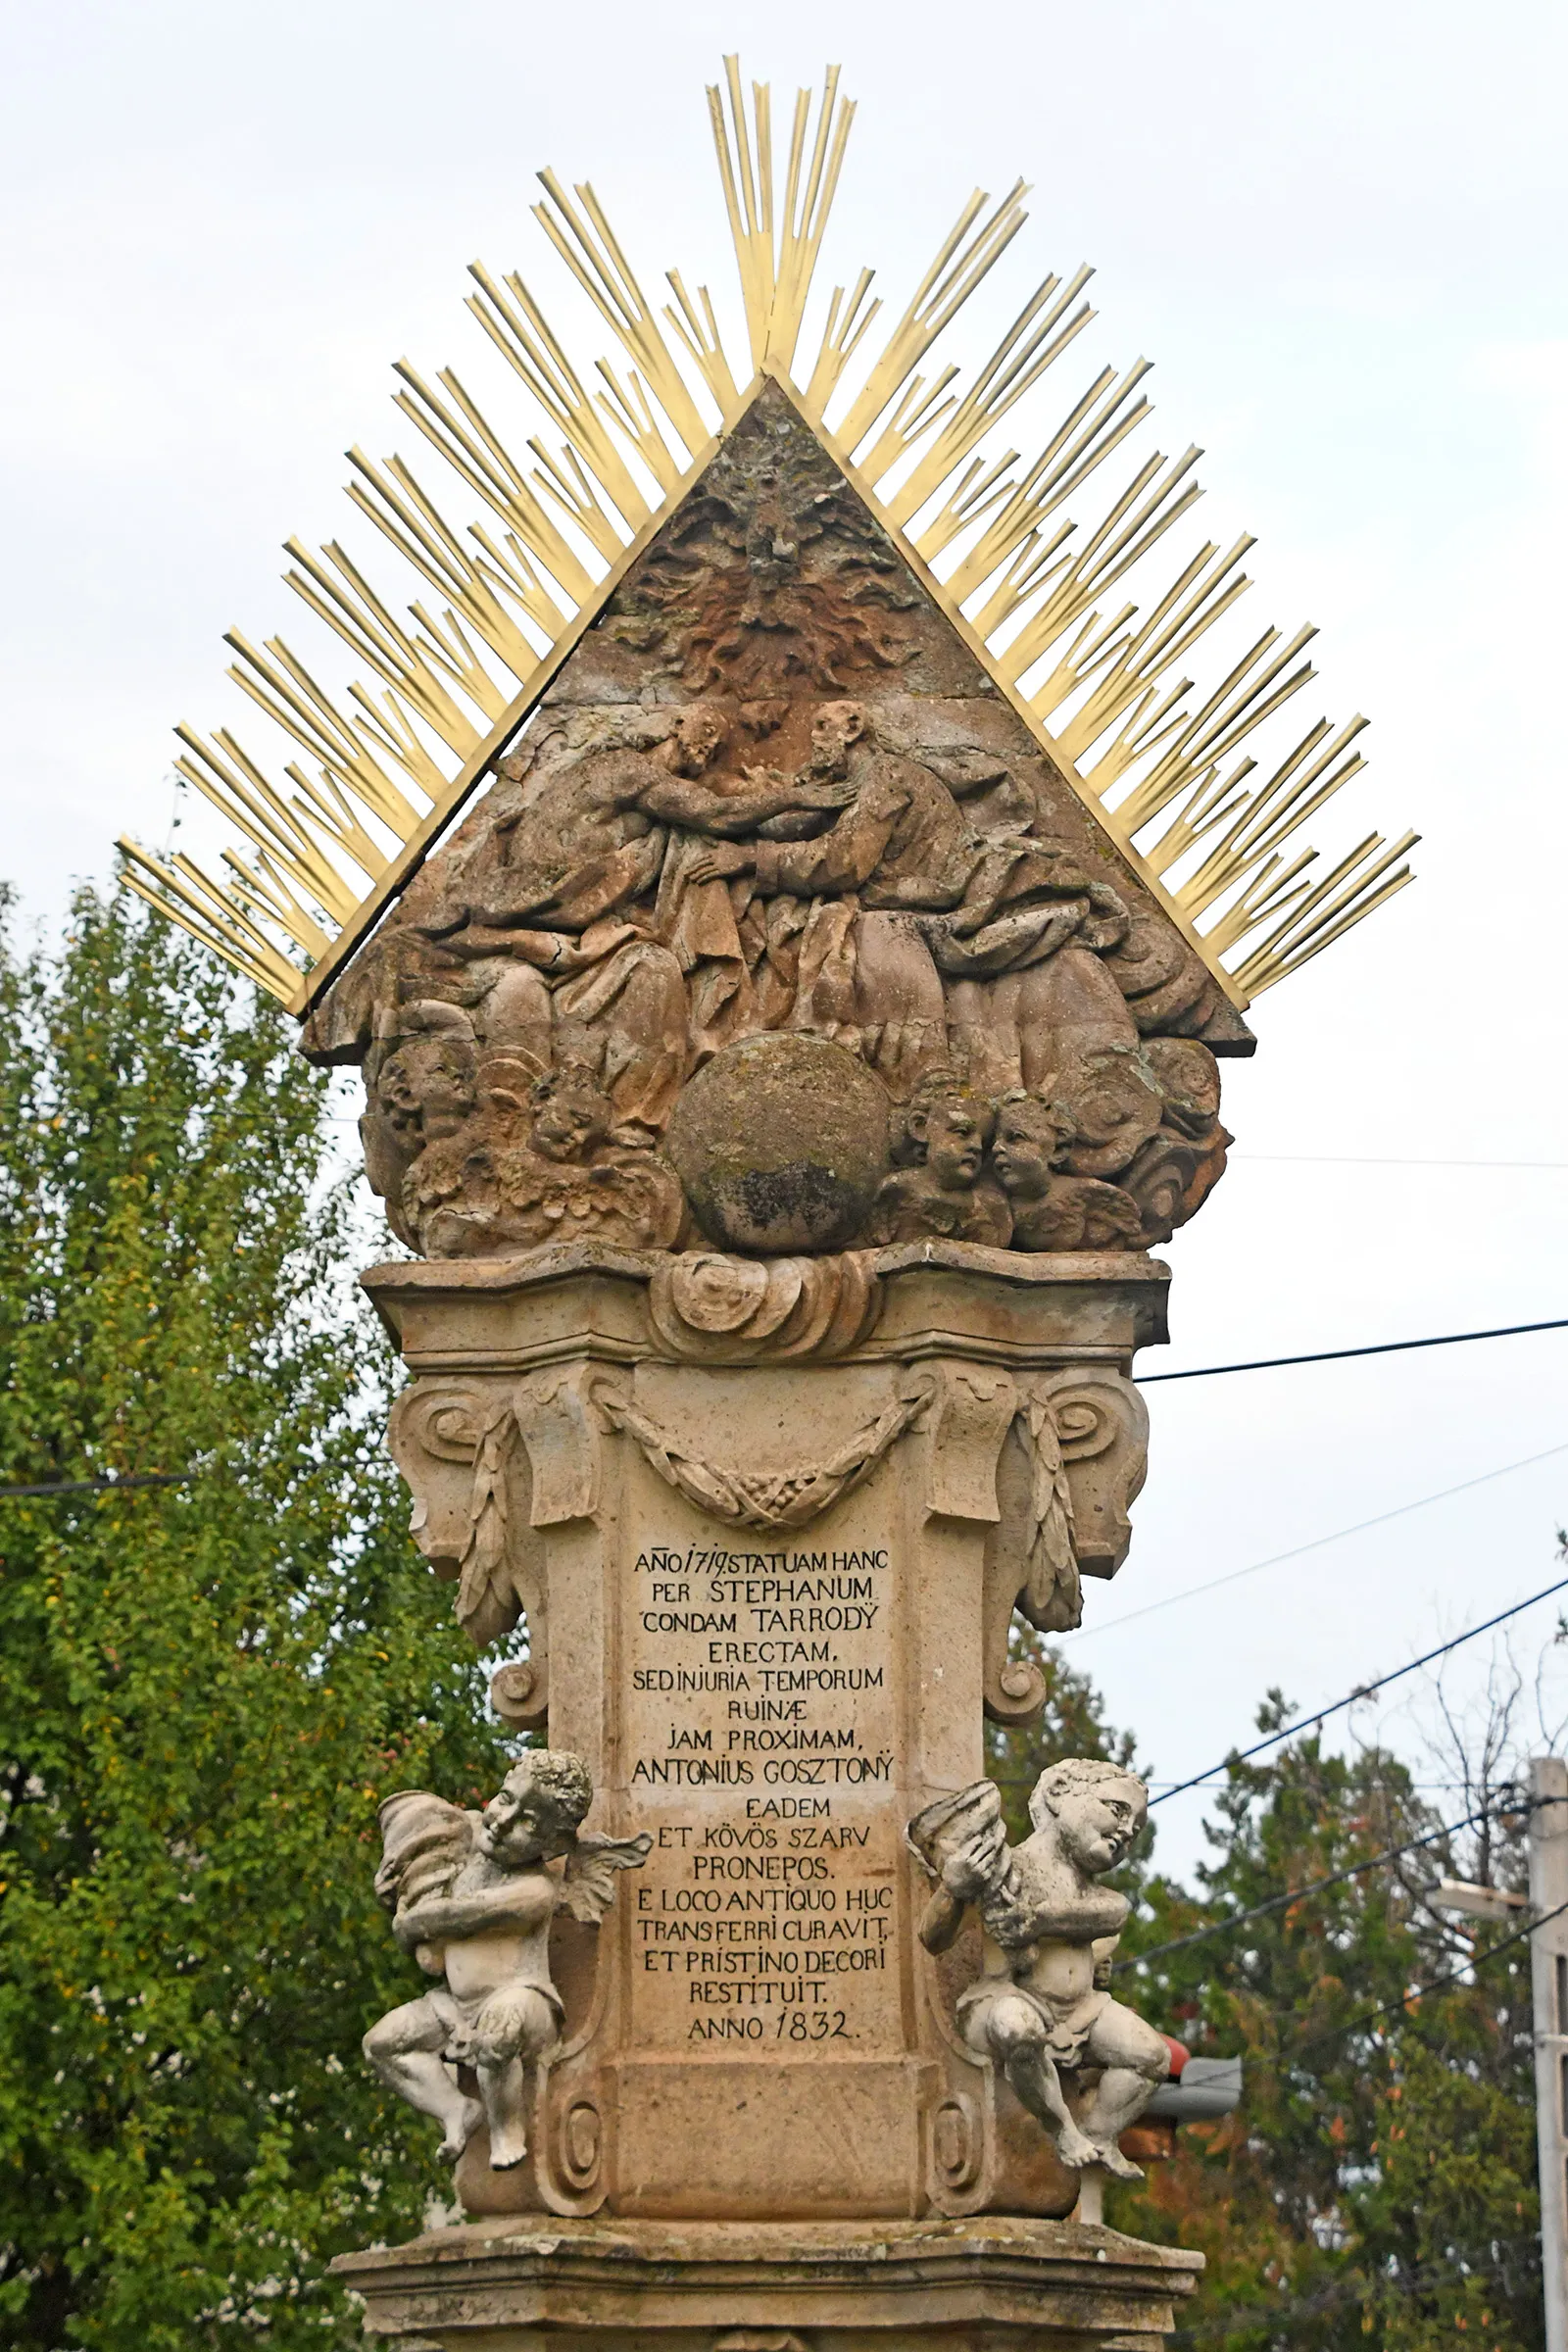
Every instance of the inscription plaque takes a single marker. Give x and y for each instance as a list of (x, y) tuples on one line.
[(761, 1716)]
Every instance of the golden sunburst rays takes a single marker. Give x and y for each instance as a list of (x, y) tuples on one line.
[(586, 471)]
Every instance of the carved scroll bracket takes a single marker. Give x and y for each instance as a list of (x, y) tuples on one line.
[(1072, 1459), (490, 1466), (710, 1308)]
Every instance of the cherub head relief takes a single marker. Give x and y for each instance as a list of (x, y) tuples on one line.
[(1031, 1140), (1095, 1811), (572, 1115), (950, 1128), (947, 1191), (427, 1082)]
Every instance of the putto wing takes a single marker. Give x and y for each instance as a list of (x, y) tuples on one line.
[(589, 1887)]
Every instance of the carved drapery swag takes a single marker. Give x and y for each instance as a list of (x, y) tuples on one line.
[(1048, 1462), (790, 1498)]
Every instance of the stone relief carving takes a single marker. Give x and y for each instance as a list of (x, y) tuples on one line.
[(708, 1307), (1042, 2010), (472, 1896), (772, 800), (1073, 1458), (763, 1498), (489, 1470)]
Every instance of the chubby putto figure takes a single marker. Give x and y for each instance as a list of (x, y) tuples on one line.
[(1042, 2008), (472, 1896)]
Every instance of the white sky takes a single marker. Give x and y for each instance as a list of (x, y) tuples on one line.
[(1337, 231)]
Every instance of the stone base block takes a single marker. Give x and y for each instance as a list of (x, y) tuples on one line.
[(989, 2285)]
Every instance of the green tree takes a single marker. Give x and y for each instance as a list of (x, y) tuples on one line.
[(1380, 2173), (205, 1688)]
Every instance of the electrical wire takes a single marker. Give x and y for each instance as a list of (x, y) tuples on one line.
[(101, 1485), (1338, 1355), (1298, 1894), (1297, 1551), (1362, 1691), (1267, 1363), (1369, 2017)]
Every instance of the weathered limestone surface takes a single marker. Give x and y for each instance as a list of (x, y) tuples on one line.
[(773, 800), (780, 1075), (993, 2285), (768, 1601)]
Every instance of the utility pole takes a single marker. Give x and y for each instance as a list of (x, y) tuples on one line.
[(1548, 1906), (1549, 1975)]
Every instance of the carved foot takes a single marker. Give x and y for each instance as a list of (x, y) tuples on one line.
[(458, 2138), (508, 2148), (1076, 2150), (1118, 2166)]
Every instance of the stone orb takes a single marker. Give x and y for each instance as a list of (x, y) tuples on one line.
[(781, 1142)]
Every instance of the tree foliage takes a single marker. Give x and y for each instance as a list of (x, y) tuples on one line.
[(205, 1690), (1379, 2177)]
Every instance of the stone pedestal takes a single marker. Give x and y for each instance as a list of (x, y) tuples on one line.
[(768, 1523), (993, 2285)]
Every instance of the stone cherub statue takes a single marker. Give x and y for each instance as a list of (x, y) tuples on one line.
[(1042, 2008), (472, 1896), (946, 1190)]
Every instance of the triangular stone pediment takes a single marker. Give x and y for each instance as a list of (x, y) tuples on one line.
[(773, 789)]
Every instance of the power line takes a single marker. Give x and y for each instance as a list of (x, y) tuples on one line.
[(1267, 1363), (1276, 1558), (1341, 1159), (1336, 1356), (103, 1485), (1369, 2017), (1362, 1691), (1298, 1894)]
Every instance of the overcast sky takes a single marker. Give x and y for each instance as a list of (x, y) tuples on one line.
[(1338, 232)]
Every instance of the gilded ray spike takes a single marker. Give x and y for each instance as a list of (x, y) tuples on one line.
[(1030, 346), (963, 259), (395, 503), (412, 666), (1134, 526), (776, 282), (1096, 425), (1033, 582), (702, 339), (1358, 885), (474, 452), (518, 328), (1203, 594), (209, 916), (592, 253), (842, 335), (285, 690), (1270, 815)]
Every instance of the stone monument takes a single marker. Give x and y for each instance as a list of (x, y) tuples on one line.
[(779, 1056)]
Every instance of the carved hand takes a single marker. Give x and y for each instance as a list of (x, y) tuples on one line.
[(716, 865), (973, 1869)]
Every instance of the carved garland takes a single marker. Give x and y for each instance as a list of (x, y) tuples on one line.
[(778, 1499)]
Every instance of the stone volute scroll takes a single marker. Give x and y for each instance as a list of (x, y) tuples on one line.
[(787, 916)]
